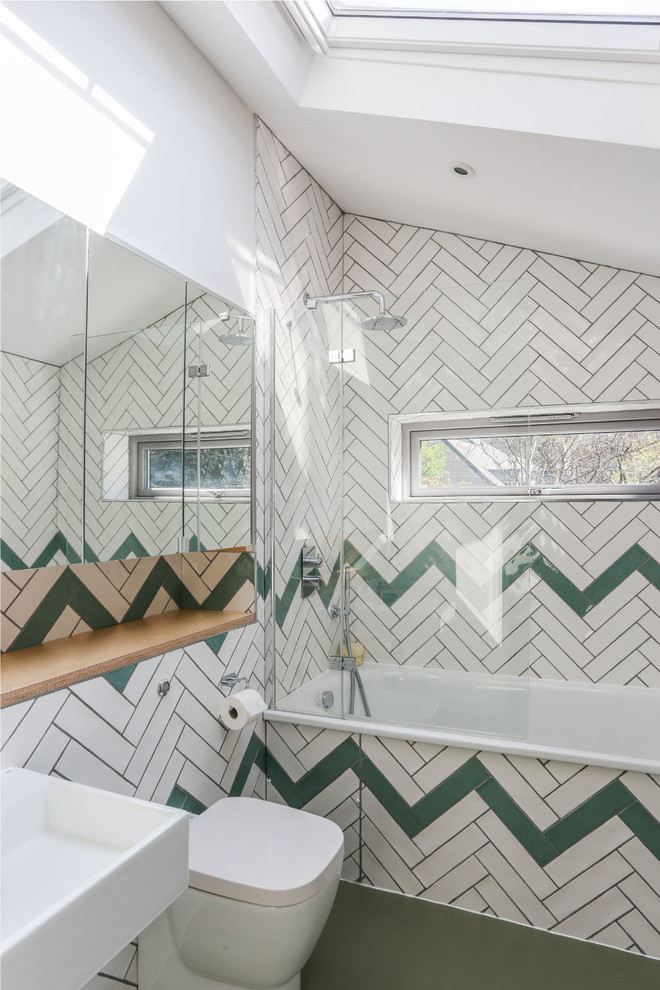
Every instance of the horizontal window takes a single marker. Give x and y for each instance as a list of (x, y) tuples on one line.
[(610, 452), (216, 467)]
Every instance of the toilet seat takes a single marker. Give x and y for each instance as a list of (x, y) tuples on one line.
[(262, 853)]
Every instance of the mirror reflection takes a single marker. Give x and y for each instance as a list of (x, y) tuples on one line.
[(43, 270), (149, 387)]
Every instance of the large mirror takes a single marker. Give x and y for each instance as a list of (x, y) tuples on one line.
[(112, 363)]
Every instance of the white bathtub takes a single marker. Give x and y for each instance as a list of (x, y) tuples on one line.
[(603, 725)]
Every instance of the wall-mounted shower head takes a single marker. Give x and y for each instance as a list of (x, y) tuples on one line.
[(239, 337), (384, 320)]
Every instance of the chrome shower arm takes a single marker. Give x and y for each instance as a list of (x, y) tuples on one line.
[(311, 302)]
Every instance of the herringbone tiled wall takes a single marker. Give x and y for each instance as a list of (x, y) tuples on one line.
[(30, 437), (299, 249), (138, 385), (567, 590)]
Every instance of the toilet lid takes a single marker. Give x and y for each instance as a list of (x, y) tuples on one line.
[(263, 853)]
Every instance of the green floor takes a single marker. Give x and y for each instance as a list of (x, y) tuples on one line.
[(389, 942)]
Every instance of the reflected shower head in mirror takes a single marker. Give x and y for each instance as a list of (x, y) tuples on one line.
[(236, 338), (384, 320)]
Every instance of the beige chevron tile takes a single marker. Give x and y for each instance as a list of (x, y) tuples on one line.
[(9, 632), (139, 574), (39, 582), (97, 582)]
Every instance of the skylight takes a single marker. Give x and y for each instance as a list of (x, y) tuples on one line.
[(583, 10)]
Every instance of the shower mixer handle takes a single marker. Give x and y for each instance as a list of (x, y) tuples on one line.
[(312, 560)]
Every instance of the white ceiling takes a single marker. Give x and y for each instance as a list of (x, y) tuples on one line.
[(565, 145)]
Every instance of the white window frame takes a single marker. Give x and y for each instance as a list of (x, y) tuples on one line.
[(617, 418), (139, 444)]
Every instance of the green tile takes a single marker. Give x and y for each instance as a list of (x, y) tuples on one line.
[(447, 565), (283, 604), (90, 556), (644, 825), (651, 571), (417, 568), (451, 791), (519, 563), (281, 781), (48, 611), (240, 573), (161, 576), (11, 559), (329, 769), (215, 642), (616, 574), (390, 798), (526, 832), (131, 546), (58, 543), (562, 586), (253, 751), (596, 810), (120, 678), (181, 799), (90, 609)]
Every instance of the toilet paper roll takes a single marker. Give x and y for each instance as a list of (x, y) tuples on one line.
[(241, 708)]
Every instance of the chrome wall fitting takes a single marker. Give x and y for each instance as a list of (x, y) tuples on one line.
[(163, 688), (229, 681), (310, 560)]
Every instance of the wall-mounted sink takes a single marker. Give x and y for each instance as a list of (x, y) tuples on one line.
[(83, 872)]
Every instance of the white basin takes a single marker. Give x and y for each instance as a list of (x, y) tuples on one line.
[(83, 872)]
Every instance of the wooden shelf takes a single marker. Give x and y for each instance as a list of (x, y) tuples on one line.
[(37, 670)]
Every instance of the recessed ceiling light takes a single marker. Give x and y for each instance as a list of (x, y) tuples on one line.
[(460, 168)]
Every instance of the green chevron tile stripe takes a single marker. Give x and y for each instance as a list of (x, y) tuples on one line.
[(581, 601), (181, 799), (160, 576), (254, 753), (519, 563), (644, 825), (451, 791), (120, 678), (57, 544), (130, 546), (67, 590), (517, 822), (11, 559), (544, 846), (616, 574), (651, 571), (215, 642), (230, 584), (562, 586), (609, 801)]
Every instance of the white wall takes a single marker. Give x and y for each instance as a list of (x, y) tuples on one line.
[(112, 116)]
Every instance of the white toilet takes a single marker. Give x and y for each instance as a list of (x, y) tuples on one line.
[(263, 879)]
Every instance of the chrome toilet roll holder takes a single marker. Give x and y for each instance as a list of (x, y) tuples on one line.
[(229, 681)]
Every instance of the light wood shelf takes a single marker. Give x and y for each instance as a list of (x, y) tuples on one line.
[(37, 670)]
